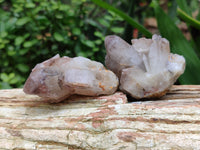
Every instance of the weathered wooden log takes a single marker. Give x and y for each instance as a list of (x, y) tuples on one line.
[(105, 122)]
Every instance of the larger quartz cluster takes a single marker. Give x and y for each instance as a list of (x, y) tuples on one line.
[(58, 78), (146, 68)]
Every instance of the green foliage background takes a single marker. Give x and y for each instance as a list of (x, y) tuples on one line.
[(32, 31)]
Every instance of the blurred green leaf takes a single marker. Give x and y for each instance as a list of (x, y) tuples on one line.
[(93, 23), (179, 45), (184, 6), (22, 67), (95, 49), (88, 43), (76, 31), (5, 85), (104, 22), (64, 7), (115, 16), (26, 35), (58, 37), (11, 75), (22, 21), (188, 19), (15, 79), (98, 42), (30, 5), (2, 46), (3, 34), (11, 51), (29, 43), (117, 29), (4, 77), (98, 34), (23, 51), (59, 16), (124, 16), (198, 16), (82, 54), (108, 17), (19, 40), (185, 13)]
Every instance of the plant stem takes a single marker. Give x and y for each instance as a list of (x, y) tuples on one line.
[(132, 22)]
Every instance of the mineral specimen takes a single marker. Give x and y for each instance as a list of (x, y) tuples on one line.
[(146, 68), (58, 78)]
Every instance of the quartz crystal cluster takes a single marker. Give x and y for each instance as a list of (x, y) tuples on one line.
[(58, 78), (146, 68)]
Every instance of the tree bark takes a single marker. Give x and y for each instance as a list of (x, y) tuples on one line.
[(104, 122)]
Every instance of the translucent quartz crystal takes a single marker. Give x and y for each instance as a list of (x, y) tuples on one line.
[(146, 68), (58, 78)]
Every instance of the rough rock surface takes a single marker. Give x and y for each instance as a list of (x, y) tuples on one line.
[(58, 78), (146, 68)]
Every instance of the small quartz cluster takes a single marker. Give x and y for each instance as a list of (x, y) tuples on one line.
[(58, 78), (146, 68)]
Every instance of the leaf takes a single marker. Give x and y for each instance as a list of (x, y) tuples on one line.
[(95, 49), (88, 43), (188, 19), (64, 7), (104, 22), (4, 77), (76, 31), (184, 6), (23, 68), (30, 5), (98, 34), (3, 34), (184, 12), (11, 75), (93, 23), (22, 21), (14, 81), (108, 17), (58, 37), (59, 16), (11, 51), (19, 40), (23, 51), (132, 22), (28, 44), (179, 45), (98, 42), (2, 46), (82, 54), (117, 29), (5, 85)]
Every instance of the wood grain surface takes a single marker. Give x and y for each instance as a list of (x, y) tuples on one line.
[(105, 122)]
